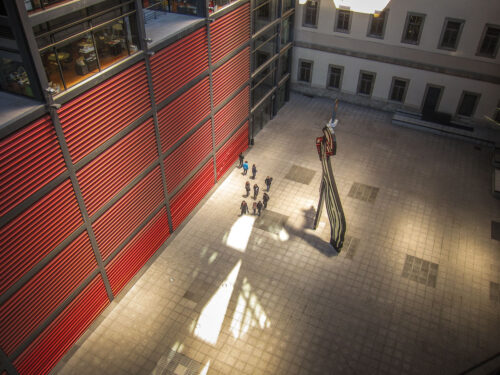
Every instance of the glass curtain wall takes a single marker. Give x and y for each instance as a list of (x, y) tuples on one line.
[(83, 43), (272, 30)]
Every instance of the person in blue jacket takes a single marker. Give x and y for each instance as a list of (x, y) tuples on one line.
[(245, 167)]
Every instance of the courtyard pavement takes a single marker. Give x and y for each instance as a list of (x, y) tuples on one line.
[(415, 290)]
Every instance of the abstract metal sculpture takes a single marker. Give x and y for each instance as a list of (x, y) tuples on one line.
[(327, 146)]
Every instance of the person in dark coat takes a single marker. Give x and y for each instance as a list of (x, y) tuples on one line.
[(245, 168), (254, 208), (241, 159), (243, 208), (255, 191), (247, 187), (265, 199), (259, 207), (254, 171), (268, 182)]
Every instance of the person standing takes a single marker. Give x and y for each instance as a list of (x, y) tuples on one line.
[(255, 191), (268, 182), (254, 208), (247, 188), (243, 208), (254, 171), (265, 199), (259, 206), (241, 159), (245, 168)]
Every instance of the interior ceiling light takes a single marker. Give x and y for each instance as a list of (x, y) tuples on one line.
[(361, 6)]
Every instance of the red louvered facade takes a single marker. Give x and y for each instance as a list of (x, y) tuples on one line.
[(94, 117), (97, 210)]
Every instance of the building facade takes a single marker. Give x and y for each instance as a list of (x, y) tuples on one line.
[(124, 115), (417, 55)]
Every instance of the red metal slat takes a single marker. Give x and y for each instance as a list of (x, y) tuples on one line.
[(95, 116), (229, 32), (179, 63), (31, 304), (188, 155), (107, 174), (182, 114), (48, 348), (186, 199), (228, 153), (232, 115), (33, 234), (128, 213), (29, 159), (137, 252), (230, 76)]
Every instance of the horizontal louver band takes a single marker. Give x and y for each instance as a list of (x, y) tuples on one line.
[(186, 199), (30, 305), (94, 117), (232, 115), (48, 348), (29, 159), (28, 238), (179, 63), (107, 174), (137, 252), (229, 32), (188, 155), (128, 213), (181, 115), (228, 153), (230, 76)]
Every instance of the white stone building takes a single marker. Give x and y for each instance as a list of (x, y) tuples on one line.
[(421, 55)]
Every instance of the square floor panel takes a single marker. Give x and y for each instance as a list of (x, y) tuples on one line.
[(420, 271), (350, 246), (300, 174), (271, 221), (495, 230), (363, 192), (175, 363)]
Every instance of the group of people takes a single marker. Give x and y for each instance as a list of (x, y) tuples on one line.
[(257, 206)]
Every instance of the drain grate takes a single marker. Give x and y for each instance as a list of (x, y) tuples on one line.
[(421, 271), (175, 363), (350, 246), (271, 221), (364, 193), (495, 230), (494, 292), (300, 174)]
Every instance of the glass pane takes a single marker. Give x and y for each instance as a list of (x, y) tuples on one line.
[(52, 70), (78, 60), (111, 44), (263, 14), (13, 77)]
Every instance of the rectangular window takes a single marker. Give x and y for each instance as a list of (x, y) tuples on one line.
[(377, 24), (311, 13), (334, 77), (468, 104), (305, 71), (451, 34), (398, 90), (366, 83), (413, 28), (489, 41), (343, 21)]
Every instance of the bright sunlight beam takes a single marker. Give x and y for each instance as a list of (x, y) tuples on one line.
[(212, 316), (240, 233), (248, 312)]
